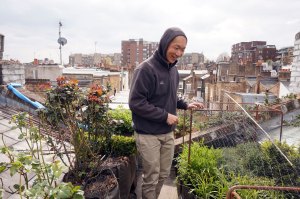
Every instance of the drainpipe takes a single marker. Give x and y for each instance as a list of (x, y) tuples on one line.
[(190, 137)]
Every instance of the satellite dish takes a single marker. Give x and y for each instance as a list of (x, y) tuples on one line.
[(62, 41)]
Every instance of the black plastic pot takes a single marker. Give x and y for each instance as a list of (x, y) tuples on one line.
[(104, 185), (184, 192)]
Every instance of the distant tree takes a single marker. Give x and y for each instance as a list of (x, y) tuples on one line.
[(223, 57)]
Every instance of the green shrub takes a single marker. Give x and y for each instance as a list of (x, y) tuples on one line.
[(123, 119), (201, 174), (279, 168), (123, 145), (211, 172), (264, 161), (251, 157)]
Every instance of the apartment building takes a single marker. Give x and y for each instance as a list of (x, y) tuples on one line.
[(285, 55), (136, 51), (252, 52)]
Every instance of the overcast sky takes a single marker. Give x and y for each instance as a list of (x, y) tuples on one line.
[(30, 27)]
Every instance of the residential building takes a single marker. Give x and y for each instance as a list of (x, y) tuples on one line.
[(190, 60), (117, 59), (215, 92), (111, 62), (252, 52), (85, 60), (285, 55), (223, 68), (248, 59), (136, 51), (192, 83), (284, 74), (75, 59)]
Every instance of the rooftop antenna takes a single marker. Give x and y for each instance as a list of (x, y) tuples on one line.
[(61, 40)]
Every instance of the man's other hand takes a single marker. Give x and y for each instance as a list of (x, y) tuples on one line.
[(172, 119)]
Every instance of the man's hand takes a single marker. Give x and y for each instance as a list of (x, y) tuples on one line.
[(172, 119), (197, 105)]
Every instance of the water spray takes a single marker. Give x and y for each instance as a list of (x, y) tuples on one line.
[(260, 128)]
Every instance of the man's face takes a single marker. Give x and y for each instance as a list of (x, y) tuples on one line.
[(176, 49)]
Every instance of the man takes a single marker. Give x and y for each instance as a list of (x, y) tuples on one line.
[(153, 101)]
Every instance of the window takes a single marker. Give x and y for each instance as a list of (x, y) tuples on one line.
[(181, 85), (188, 87)]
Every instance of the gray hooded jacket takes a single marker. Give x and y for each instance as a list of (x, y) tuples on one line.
[(153, 92)]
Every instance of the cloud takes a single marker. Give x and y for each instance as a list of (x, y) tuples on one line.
[(213, 26)]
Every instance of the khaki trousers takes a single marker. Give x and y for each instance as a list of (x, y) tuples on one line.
[(157, 153)]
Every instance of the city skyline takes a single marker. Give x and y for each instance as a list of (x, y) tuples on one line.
[(31, 27)]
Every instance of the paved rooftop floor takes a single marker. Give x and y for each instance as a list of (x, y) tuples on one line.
[(168, 191)]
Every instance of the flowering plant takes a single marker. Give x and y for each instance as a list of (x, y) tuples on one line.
[(81, 119)]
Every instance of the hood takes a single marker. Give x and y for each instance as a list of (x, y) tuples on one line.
[(165, 41)]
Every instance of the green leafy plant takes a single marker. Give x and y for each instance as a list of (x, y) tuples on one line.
[(295, 122), (82, 119), (261, 161), (183, 126), (283, 173), (123, 145), (211, 172), (123, 120), (46, 183), (266, 100), (201, 174)]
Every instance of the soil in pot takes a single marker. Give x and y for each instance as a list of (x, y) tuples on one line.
[(104, 185)]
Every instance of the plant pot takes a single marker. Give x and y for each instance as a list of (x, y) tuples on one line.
[(104, 185), (184, 192), (125, 172), (126, 175)]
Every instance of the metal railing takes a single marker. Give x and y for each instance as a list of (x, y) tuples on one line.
[(256, 111), (231, 193)]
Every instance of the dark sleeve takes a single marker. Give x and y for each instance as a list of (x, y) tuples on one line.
[(181, 104), (141, 89)]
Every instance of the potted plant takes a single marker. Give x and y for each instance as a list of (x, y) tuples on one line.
[(83, 119)]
